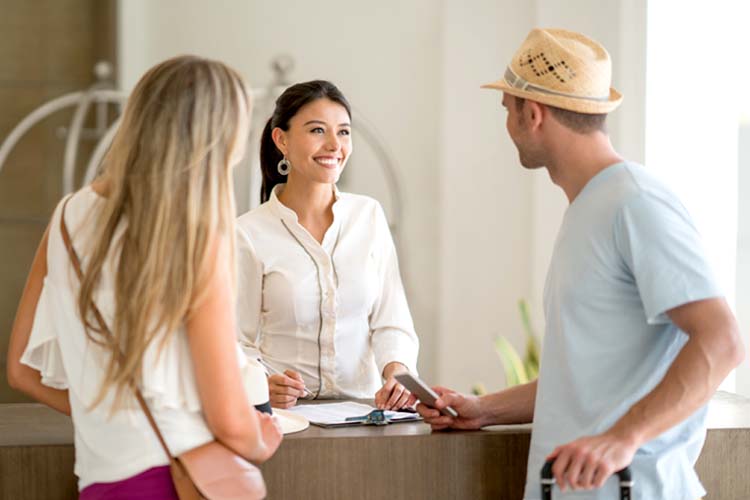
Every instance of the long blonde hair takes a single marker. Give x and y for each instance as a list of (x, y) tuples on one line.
[(169, 179)]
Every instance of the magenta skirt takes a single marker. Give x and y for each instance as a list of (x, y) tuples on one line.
[(152, 484)]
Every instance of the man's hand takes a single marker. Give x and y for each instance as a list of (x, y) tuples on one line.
[(470, 413), (284, 390), (393, 396), (586, 463)]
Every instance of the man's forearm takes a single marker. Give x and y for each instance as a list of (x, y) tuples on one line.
[(514, 405), (688, 384)]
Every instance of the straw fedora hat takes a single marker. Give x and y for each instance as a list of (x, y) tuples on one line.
[(563, 69)]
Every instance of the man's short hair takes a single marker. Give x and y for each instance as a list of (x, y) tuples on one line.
[(581, 123)]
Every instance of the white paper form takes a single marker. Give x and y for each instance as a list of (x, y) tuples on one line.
[(329, 414)]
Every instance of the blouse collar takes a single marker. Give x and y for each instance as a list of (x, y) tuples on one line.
[(287, 213)]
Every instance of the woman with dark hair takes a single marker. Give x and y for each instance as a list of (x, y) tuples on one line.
[(320, 295)]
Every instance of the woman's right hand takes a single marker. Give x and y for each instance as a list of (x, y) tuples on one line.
[(284, 390), (271, 434)]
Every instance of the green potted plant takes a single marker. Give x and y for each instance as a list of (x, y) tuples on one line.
[(517, 370)]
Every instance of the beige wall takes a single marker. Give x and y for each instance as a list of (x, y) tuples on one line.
[(485, 198), (499, 221), (621, 28), (47, 48), (478, 230), (386, 58)]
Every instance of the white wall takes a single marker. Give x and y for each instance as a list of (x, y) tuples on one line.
[(383, 57), (499, 221), (478, 229), (743, 207), (743, 241), (485, 197)]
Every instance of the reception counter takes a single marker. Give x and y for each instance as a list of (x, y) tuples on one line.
[(393, 462)]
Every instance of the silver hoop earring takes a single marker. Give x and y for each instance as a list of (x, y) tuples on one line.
[(284, 167)]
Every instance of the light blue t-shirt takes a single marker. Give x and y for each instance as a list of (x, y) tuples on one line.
[(626, 253)]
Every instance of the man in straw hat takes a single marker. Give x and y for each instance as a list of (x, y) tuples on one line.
[(638, 334)]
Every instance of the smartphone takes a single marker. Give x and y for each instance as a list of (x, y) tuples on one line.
[(423, 392)]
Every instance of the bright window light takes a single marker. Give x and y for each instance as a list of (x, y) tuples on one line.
[(692, 119)]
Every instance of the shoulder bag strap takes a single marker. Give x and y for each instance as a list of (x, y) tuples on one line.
[(103, 326)]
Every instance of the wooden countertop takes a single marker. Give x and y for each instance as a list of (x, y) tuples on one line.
[(33, 424), (390, 462)]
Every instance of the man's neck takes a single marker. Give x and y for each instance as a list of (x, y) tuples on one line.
[(578, 158)]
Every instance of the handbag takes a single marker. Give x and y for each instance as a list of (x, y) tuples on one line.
[(211, 471)]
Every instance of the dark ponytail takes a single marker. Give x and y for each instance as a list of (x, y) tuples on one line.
[(270, 156), (287, 105)]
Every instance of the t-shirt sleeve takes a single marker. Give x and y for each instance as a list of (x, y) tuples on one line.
[(662, 250)]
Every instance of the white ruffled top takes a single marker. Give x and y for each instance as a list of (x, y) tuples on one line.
[(114, 446)]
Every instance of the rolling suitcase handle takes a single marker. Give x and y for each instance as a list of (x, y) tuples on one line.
[(548, 481)]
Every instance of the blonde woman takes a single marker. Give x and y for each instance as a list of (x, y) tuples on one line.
[(156, 237)]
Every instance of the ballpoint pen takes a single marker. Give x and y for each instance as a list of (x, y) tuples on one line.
[(274, 371)]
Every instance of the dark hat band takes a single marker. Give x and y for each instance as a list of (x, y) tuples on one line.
[(515, 81)]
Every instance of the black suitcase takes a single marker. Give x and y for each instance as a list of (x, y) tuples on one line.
[(548, 482)]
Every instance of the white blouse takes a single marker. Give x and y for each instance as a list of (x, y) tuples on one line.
[(114, 447), (336, 312)]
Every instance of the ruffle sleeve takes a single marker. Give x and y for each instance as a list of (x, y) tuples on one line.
[(42, 351)]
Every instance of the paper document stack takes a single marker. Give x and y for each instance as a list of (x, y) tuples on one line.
[(336, 414)]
